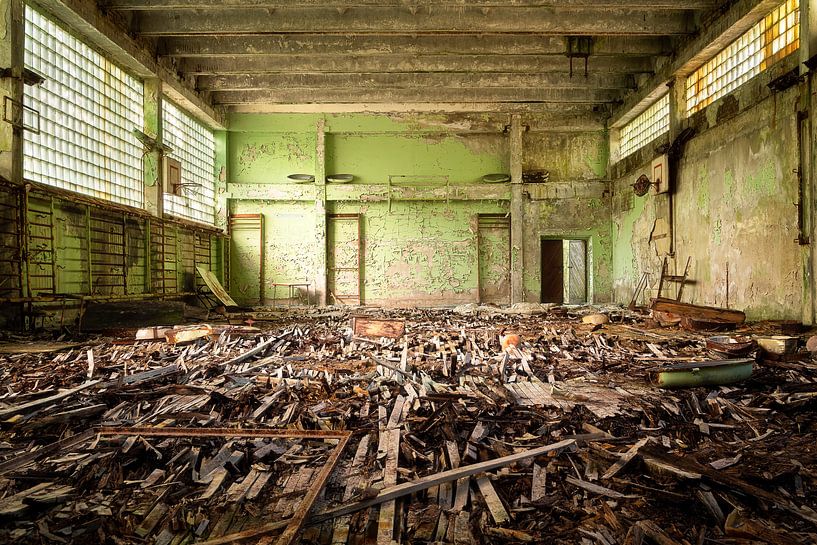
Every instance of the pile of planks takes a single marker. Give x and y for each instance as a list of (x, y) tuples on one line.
[(316, 430)]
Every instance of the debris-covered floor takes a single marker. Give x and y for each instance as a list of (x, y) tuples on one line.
[(301, 431)]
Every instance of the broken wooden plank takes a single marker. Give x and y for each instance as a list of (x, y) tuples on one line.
[(428, 481), (596, 489), (15, 409), (625, 459), (363, 326), (538, 482), (495, 506), (385, 521), (697, 311)]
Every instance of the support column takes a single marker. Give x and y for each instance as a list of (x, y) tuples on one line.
[(320, 213), (517, 212), (12, 36), (807, 110), (152, 161), (666, 205), (222, 206)]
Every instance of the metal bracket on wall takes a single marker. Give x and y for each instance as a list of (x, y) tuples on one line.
[(21, 116)]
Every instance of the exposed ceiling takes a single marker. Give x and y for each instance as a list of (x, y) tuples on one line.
[(477, 52)]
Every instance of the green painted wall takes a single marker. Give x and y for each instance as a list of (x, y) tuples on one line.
[(734, 207), (80, 249), (420, 248)]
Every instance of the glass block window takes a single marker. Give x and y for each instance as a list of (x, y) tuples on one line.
[(194, 147), (645, 127), (88, 107), (768, 41)]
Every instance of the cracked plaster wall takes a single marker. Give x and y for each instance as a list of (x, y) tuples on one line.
[(734, 206), (420, 249)]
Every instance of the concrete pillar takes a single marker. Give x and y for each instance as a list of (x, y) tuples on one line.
[(222, 204), (12, 36), (221, 168), (808, 152), (517, 212), (152, 160), (665, 203), (320, 213)]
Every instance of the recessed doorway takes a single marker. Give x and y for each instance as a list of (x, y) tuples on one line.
[(564, 271)]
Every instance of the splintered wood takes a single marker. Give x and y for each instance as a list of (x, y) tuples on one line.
[(209, 434)]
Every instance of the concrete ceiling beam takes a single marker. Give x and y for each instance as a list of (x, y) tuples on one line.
[(490, 95), (400, 64), (425, 19), (548, 116), (141, 5), (456, 44), (472, 82)]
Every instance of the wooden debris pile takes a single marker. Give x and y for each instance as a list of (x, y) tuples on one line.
[(311, 432)]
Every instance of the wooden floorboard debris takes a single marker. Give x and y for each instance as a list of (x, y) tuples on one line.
[(238, 436), (495, 506), (427, 482)]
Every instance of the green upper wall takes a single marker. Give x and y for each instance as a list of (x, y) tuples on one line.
[(421, 248)]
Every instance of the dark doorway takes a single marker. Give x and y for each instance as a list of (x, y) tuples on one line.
[(553, 278), (564, 271)]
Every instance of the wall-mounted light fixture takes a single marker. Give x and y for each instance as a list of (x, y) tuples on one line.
[(301, 178)]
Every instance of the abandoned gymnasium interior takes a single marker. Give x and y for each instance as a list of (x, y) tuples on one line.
[(380, 272)]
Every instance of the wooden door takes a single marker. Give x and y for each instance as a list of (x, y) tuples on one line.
[(577, 266), (494, 256), (247, 258), (552, 271), (343, 259)]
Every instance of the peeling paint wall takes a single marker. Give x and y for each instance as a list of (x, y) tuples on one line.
[(573, 204), (418, 188), (734, 207), (71, 248)]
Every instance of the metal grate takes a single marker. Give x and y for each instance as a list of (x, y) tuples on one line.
[(88, 107), (768, 41), (194, 146), (646, 127)]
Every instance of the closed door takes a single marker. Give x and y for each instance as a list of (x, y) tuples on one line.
[(343, 259), (247, 258), (494, 267), (552, 271)]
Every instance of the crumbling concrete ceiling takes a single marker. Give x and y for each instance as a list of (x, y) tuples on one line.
[(450, 52)]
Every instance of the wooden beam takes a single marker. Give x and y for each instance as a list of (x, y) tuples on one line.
[(415, 19), (424, 483)]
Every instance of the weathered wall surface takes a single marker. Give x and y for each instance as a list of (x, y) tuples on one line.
[(574, 203), (420, 253), (60, 247), (734, 208), (418, 188)]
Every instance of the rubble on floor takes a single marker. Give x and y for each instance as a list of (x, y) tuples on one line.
[(307, 431)]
